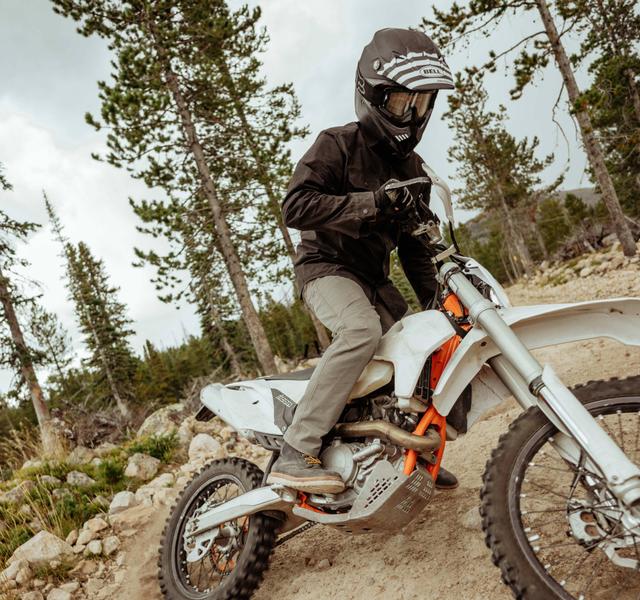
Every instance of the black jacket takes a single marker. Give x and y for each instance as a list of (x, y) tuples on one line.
[(330, 200)]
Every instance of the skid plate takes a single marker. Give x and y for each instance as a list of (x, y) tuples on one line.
[(389, 500)]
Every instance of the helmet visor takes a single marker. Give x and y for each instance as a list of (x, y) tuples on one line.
[(401, 104)]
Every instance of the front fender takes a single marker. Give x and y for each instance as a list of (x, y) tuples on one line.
[(538, 326)]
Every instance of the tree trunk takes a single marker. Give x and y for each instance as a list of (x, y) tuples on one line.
[(238, 279), (515, 235), (51, 443), (236, 370), (274, 201), (121, 403), (591, 143), (506, 268), (635, 96)]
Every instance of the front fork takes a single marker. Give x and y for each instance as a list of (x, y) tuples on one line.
[(543, 388)]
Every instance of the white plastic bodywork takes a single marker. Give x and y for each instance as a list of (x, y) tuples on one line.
[(249, 406), (537, 326)]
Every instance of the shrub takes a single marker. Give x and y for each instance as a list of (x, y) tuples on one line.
[(161, 447)]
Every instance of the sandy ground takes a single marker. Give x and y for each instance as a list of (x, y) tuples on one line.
[(442, 555)]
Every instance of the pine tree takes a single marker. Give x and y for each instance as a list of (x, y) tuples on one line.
[(49, 335), (501, 175), (101, 317), (15, 353), (483, 17), (169, 122), (611, 30), (265, 126)]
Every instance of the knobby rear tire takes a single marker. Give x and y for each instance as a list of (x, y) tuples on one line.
[(517, 563), (253, 561)]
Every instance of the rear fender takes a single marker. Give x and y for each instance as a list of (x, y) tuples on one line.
[(537, 326)]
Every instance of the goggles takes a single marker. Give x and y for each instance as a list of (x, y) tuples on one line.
[(401, 104)]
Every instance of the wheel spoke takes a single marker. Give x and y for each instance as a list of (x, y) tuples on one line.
[(555, 497)]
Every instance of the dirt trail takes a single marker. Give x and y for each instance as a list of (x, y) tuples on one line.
[(443, 554)]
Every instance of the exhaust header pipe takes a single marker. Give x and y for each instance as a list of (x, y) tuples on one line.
[(391, 433)]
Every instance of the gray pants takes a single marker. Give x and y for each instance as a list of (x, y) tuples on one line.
[(357, 326)]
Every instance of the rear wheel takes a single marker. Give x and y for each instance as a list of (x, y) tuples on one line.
[(227, 565), (553, 528)]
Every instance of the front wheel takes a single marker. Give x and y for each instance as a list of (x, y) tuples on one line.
[(231, 563), (553, 528)]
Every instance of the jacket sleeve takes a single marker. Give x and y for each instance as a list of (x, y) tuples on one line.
[(314, 200), (415, 259)]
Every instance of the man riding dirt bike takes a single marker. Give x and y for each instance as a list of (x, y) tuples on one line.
[(560, 502), (343, 199)]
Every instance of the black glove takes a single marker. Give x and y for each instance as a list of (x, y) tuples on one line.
[(393, 201)]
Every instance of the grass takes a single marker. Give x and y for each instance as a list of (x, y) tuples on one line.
[(57, 575), (160, 447), (61, 515)]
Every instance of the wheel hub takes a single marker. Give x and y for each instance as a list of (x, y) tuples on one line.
[(607, 528)]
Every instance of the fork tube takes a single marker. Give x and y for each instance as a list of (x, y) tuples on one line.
[(554, 398)]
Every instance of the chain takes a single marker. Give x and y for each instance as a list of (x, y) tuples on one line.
[(287, 536)]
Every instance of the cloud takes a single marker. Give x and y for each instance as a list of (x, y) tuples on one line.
[(91, 200)]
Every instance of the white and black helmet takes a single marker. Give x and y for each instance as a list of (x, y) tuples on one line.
[(397, 80)]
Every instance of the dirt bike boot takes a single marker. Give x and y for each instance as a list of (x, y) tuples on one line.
[(446, 480), (304, 473)]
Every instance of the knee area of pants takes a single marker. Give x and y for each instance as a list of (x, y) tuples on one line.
[(366, 333)]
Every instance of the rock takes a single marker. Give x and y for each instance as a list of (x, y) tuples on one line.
[(323, 564), (96, 462), (61, 493), (162, 422), (72, 538), (38, 584), (17, 494), (94, 548), (616, 262), (32, 596), (142, 466), (49, 481), (25, 510), (586, 271), (161, 481), (36, 525), (144, 495), (59, 594), (93, 587), (608, 240), (41, 549), (101, 501), (33, 463), (96, 524), (80, 456), (24, 575), (121, 559), (186, 432), (86, 536), (79, 479), (110, 545), (228, 433), (84, 567), (121, 501), (72, 586), (79, 548), (472, 520), (104, 449), (203, 445), (10, 573), (164, 496)]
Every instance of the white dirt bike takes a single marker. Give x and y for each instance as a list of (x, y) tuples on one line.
[(560, 502)]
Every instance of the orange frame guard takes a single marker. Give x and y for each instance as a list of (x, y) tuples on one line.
[(431, 417)]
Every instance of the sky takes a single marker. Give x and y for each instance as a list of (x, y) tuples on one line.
[(48, 81)]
